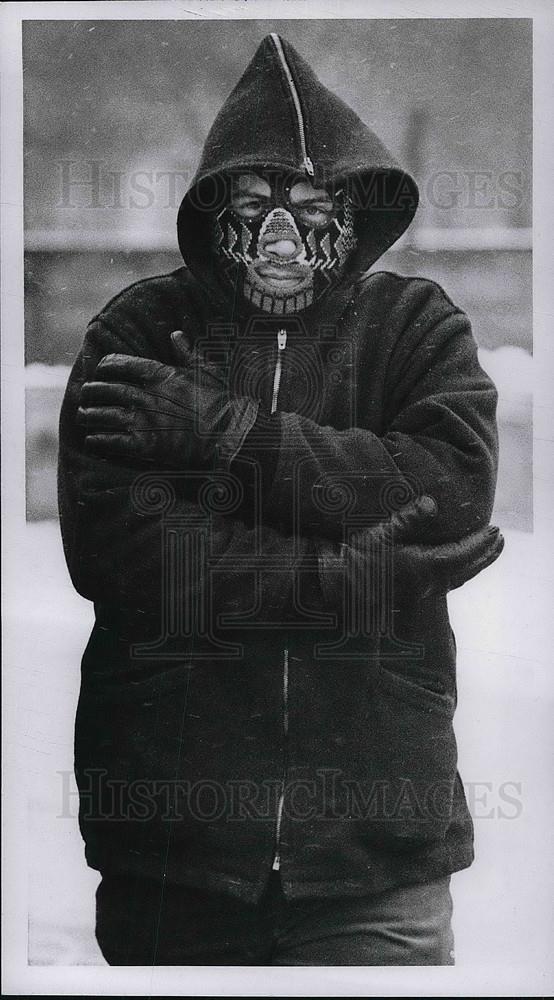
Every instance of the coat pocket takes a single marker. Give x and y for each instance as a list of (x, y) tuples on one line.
[(412, 759)]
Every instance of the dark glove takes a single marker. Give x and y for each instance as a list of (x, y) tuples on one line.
[(417, 570), (179, 417)]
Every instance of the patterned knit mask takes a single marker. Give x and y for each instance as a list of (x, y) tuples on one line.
[(316, 260)]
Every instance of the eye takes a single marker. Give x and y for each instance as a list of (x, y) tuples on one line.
[(315, 215), (250, 208)]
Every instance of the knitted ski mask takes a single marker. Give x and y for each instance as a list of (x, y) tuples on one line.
[(280, 250)]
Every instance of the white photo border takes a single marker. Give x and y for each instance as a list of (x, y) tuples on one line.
[(18, 977)]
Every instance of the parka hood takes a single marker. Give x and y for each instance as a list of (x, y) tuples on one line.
[(281, 117)]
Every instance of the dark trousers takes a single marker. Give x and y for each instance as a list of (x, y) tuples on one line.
[(144, 923)]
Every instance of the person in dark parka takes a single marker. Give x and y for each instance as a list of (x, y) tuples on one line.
[(274, 464)]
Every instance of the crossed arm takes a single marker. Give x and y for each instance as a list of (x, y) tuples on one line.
[(440, 443), (114, 543)]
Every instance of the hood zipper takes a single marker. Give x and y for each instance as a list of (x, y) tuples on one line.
[(306, 163), (281, 344)]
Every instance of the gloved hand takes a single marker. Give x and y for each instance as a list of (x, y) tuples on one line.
[(178, 417), (417, 570)]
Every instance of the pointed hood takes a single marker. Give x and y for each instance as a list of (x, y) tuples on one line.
[(280, 116)]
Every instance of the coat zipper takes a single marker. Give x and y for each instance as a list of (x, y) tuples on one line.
[(281, 344), (277, 855), (306, 163)]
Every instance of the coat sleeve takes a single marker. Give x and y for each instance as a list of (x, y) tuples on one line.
[(440, 439), (112, 522)]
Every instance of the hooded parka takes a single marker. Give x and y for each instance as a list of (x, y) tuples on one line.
[(232, 716)]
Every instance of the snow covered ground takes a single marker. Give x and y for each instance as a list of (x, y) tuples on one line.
[(502, 911)]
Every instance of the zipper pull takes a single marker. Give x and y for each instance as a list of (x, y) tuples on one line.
[(308, 166), (281, 344)]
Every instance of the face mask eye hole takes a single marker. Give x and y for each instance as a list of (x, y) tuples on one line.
[(251, 208), (315, 216)]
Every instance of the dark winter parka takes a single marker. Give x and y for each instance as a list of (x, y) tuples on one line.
[(232, 714)]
